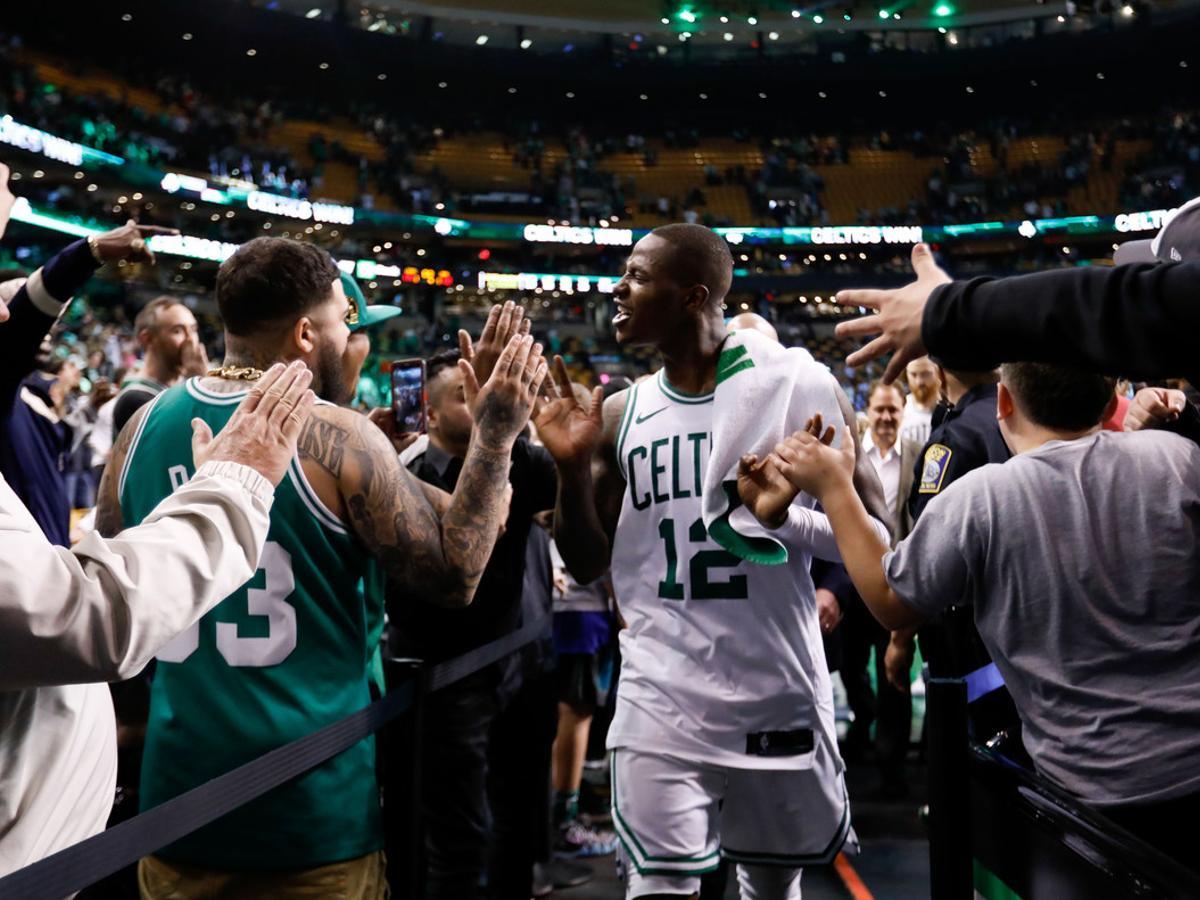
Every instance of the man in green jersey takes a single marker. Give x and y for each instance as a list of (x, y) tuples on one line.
[(167, 331), (290, 651)]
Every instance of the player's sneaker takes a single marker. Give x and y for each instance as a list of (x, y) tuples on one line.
[(577, 839)]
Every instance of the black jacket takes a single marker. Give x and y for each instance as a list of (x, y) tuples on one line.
[(1140, 321)]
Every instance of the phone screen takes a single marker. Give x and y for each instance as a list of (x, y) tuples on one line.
[(408, 394)]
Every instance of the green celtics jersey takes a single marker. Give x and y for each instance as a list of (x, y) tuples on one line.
[(286, 654)]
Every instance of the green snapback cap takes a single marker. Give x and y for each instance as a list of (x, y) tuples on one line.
[(367, 315)]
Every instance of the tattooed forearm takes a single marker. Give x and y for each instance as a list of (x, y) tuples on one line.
[(325, 443), (438, 558), (472, 521)]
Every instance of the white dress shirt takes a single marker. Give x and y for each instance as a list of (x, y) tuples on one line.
[(73, 619), (887, 467)]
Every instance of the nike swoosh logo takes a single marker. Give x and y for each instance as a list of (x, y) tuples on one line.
[(640, 419)]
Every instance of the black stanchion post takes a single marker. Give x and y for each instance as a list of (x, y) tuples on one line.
[(950, 855), (402, 790)]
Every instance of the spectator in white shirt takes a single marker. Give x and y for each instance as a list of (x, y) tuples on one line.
[(922, 377), (72, 619)]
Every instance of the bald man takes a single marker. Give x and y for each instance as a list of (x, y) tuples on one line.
[(753, 322)]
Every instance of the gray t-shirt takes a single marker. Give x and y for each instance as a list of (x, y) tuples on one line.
[(1081, 560)]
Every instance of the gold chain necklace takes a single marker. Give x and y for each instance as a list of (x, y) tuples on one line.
[(236, 373)]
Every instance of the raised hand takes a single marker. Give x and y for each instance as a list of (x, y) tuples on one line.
[(897, 318), (194, 358), (503, 322), (569, 432), (812, 465), (263, 430), (1154, 408), (501, 407), (129, 242)]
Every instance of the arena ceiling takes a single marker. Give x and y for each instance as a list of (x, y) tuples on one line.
[(658, 20)]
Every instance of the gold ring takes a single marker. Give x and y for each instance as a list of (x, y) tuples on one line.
[(138, 244)]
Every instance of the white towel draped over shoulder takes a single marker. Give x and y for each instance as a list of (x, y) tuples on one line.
[(764, 392)]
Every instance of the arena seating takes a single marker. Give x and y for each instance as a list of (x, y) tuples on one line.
[(872, 179)]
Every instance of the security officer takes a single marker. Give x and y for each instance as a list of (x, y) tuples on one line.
[(964, 435)]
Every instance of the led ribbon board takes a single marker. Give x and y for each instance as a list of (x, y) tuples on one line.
[(537, 281), (34, 140)]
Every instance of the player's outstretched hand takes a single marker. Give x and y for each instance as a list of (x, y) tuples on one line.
[(569, 432), (503, 323), (501, 407), (263, 430), (811, 464), (762, 486), (1153, 408), (897, 318), (764, 490)]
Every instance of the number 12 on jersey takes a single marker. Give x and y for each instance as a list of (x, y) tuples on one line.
[(703, 587)]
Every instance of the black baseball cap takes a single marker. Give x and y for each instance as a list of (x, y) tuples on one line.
[(1177, 241)]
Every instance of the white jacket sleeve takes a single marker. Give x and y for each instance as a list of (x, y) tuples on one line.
[(100, 611), (809, 530)]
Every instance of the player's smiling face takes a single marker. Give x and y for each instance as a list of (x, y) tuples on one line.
[(649, 301)]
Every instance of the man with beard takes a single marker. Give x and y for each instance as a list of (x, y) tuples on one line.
[(922, 377), (290, 652), (166, 330)]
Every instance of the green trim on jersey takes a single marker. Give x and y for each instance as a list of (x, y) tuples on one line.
[(289, 652), (137, 436), (626, 419), (139, 381), (674, 393)]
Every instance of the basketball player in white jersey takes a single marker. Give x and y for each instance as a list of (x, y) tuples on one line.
[(723, 741)]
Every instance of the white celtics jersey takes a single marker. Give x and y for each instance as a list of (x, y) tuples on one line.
[(718, 651)]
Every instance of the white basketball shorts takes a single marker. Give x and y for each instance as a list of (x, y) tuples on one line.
[(676, 818)]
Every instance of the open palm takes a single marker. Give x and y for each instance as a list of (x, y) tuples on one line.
[(570, 432)]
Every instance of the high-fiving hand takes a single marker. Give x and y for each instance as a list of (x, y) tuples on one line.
[(569, 432), (897, 318), (811, 464), (503, 324), (501, 407), (762, 485)]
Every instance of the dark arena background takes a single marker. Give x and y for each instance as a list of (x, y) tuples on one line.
[(452, 157)]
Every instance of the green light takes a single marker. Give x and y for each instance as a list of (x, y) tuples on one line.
[(687, 15), (818, 19), (846, 17), (884, 14), (943, 9)]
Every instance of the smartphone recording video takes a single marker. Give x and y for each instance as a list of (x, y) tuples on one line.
[(408, 394)]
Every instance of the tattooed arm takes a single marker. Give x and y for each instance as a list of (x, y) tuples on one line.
[(437, 557), (109, 520)]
